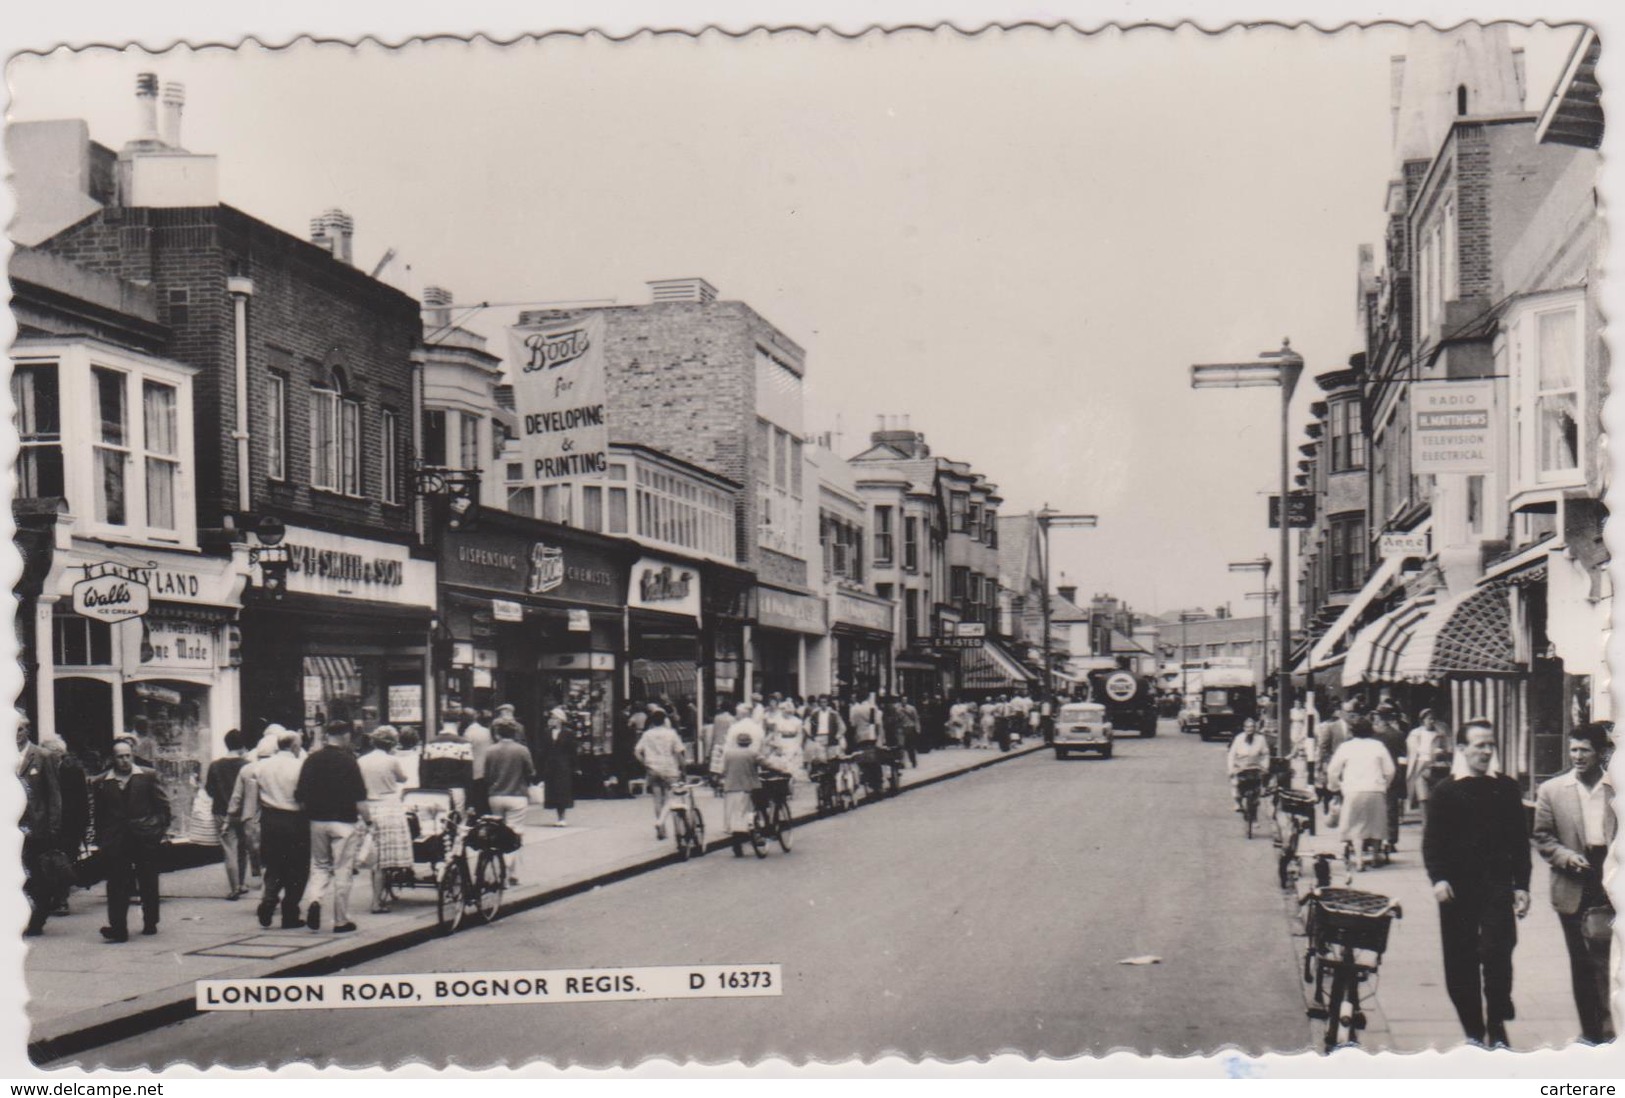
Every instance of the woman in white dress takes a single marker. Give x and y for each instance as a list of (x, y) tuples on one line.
[(1361, 769)]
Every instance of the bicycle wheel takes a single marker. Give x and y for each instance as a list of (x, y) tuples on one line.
[(697, 833), (1334, 1003), (490, 878), (1249, 811), (682, 833), (781, 826), (758, 836), (450, 896)]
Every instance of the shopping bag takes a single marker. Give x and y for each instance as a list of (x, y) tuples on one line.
[(536, 794), (1334, 812), (366, 851)]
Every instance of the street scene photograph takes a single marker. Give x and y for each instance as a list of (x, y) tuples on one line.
[(816, 547)]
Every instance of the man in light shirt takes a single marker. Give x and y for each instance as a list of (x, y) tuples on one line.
[(479, 740), (284, 832), (660, 751), (1574, 826)]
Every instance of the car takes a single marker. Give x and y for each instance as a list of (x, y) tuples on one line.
[(1082, 726)]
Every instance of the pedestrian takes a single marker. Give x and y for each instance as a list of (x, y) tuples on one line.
[(1574, 829), (740, 786), (333, 795), (510, 772), (1361, 770), (864, 721), (246, 810), (132, 823), (479, 742), (268, 792), (781, 751), (826, 728), (218, 782), (1388, 730), (406, 753), (910, 717), (659, 751), (1476, 851), (448, 763), (559, 765), (1299, 722), (1429, 753), (385, 779), (988, 724), (1333, 734), (41, 825), (73, 786), (959, 725)]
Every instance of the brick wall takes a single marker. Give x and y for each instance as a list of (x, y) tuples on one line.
[(308, 314)]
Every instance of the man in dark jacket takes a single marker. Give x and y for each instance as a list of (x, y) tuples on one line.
[(132, 820), (41, 823), (331, 792), (1476, 849)]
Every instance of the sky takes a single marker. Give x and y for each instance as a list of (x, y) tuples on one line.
[(1020, 240)]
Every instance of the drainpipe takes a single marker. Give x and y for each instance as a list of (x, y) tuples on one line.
[(420, 360), (241, 289)]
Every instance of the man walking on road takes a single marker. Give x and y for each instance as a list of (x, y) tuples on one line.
[(332, 792), (1574, 827), (1477, 856), (132, 819), (268, 791)]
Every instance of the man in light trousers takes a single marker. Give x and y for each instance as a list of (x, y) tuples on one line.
[(509, 773), (332, 791)]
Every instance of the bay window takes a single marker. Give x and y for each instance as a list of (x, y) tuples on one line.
[(37, 397), (111, 452), (1546, 338)]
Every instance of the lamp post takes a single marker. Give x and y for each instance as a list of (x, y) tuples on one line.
[(1262, 564), (1047, 518), (1274, 369)]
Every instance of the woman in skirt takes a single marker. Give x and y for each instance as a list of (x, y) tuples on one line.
[(1361, 769), (386, 815)]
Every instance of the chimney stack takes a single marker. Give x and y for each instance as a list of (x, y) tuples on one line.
[(174, 101), (695, 290), (437, 301), (334, 230), (146, 102)]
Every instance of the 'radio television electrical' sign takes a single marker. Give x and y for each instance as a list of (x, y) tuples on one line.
[(1450, 426)]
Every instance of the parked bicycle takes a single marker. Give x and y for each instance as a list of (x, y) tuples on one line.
[(687, 822), (771, 820), (1297, 808), (1348, 933)]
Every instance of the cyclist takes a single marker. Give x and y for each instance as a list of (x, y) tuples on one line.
[(740, 787), (1248, 751), (660, 751)]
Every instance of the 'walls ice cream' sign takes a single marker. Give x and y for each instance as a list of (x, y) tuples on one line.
[(111, 592), (558, 391), (1450, 427)]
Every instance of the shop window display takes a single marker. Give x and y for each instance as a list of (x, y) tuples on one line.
[(171, 725)]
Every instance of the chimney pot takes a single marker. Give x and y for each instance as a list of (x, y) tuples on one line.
[(334, 230), (174, 103), (146, 101)]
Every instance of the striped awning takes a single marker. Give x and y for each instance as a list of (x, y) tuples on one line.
[(675, 677), (340, 675), (990, 667), (1375, 653), (1467, 634)]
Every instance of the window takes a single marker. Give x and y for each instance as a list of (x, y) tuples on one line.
[(434, 438), (911, 544), (957, 503), (883, 535), (1347, 552), (112, 447), (81, 642), (617, 511), (35, 393), (350, 447), (777, 457), (556, 503), (1348, 437), (992, 520), (973, 524), (158, 408), (276, 428), (958, 578), (468, 441), (911, 615), (1557, 394), (592, 507), (324, 433), (390, 469)]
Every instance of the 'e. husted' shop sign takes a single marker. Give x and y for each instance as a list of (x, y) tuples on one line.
[(519, 565)]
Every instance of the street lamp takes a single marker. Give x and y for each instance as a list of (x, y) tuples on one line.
[(1279, 369), (1047, 518), (1262, 564)]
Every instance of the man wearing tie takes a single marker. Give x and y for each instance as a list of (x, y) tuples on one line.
[(1574, 826)]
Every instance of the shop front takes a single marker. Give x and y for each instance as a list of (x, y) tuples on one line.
[(725, 621), (532, 616), (140, 641), (347, 640), (787, 622), (665, 600), (861, 631)]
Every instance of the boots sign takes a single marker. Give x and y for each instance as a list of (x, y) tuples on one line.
[(559, 392), (112, 592)]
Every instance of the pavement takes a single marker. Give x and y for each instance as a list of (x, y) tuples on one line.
[(84, 993), (1050, 908), (1409, 1010)]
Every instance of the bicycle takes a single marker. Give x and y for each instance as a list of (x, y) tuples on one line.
[(1249, 782), (847, 783), (826, 778), (1298, 808), (459, 888), (1348, 933), (687, 823), (772, 816)]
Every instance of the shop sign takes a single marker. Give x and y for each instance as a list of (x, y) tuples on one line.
[(1300, 511), (661, 585), (559, 393), (178, 644), (577, 661), (863, 612), (1450, 426), (498, 560), (502, 610), (1403, 546), (406, 703), (971, 629), (320, 563), (482, 679), (580, 621), (957, 642), (462, 654), (785, 610), (111, 592)]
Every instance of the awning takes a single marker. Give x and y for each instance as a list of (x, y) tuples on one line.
[(340, 675), (1375, 653), (1321, 653), (1468, 634), (673, 676), (990, 667)]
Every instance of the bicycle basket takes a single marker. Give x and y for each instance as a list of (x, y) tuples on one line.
[(1294, 803), (1349, 917), (494, 835)]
